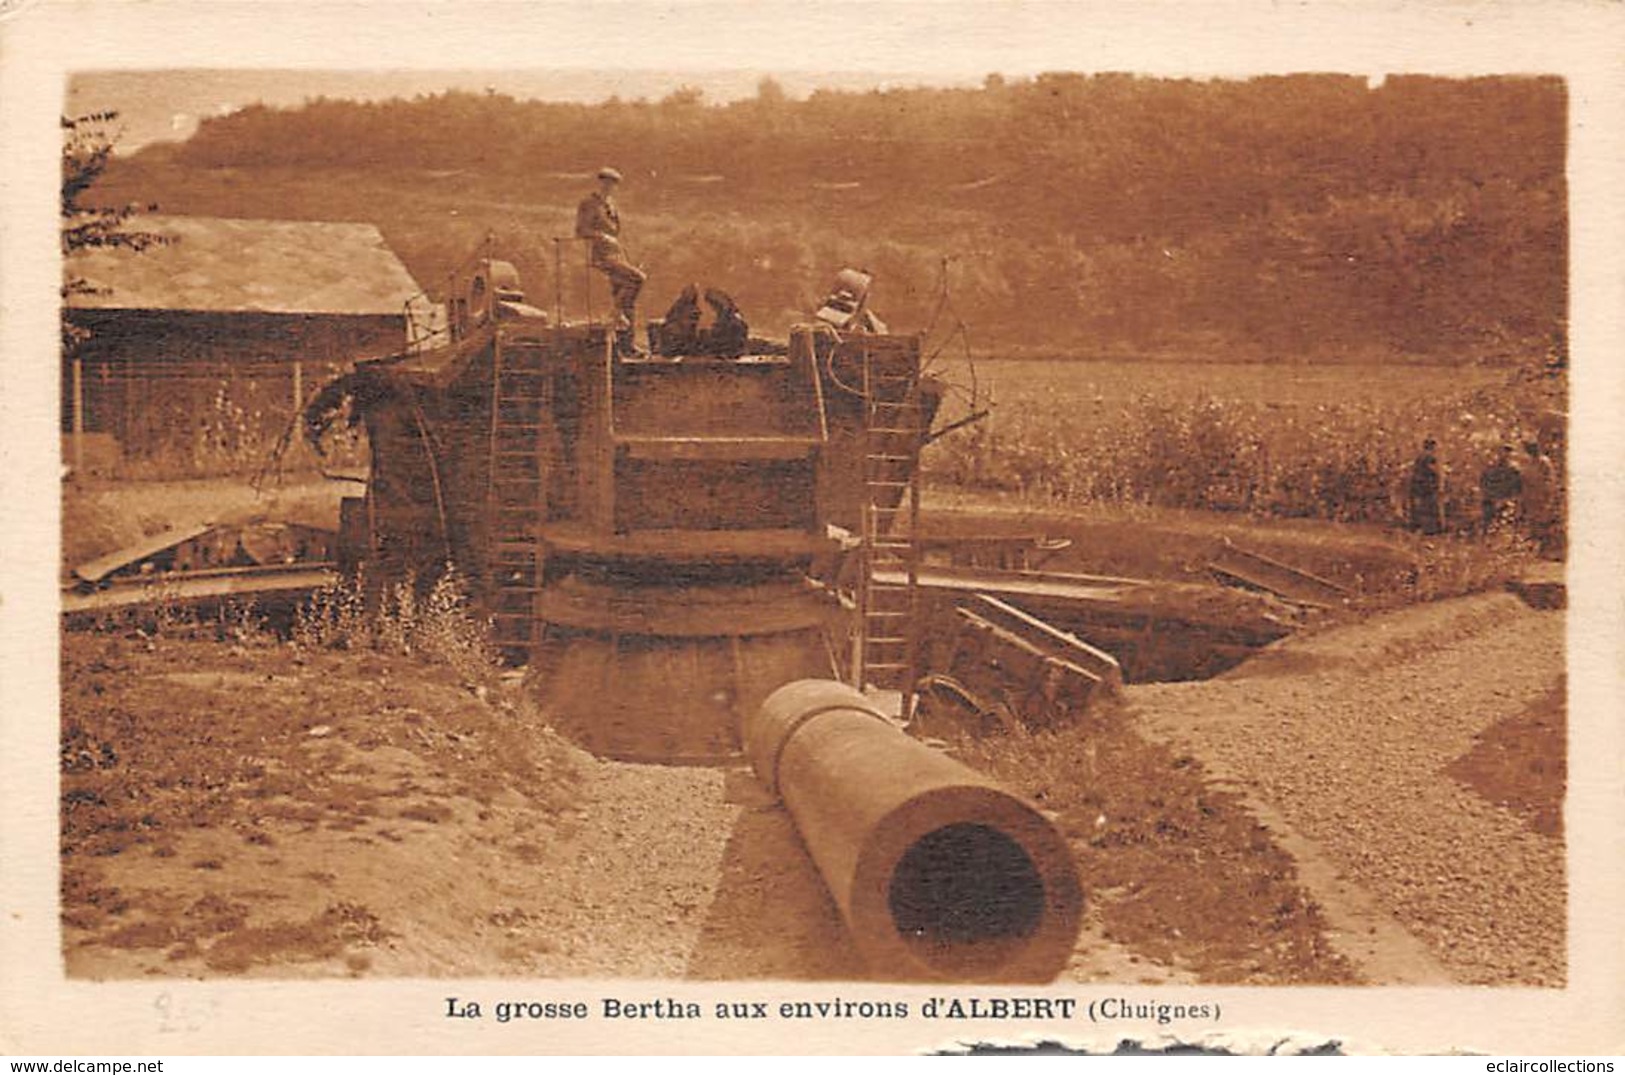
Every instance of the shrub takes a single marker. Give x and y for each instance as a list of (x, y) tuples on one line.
[(335, 617), (402, 618)]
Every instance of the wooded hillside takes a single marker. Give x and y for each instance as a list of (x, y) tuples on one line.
[(1277, 218)]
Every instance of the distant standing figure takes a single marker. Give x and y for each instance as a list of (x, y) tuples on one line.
[(1500, 487), (598, 221), (1423, 501), (1540, 497)]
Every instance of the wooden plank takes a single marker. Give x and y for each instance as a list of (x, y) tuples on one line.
[(1051, 639), (1121, 610), (687, 545), (182, 589), (102, 566), (236, 571), (976, 580), (78, 415), (1004, 674), (1019, 656), (1542, 585), (1262, 572)]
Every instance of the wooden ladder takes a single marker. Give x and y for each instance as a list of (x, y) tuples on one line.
[(515, 499), (889, 610)]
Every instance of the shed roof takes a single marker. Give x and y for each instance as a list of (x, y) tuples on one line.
[(236, 266)]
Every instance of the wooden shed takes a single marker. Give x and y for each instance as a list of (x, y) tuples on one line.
[(201, 349)]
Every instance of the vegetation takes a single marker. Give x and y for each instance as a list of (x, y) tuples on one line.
[(1300, 217), (86, 152), (437, 624), (1342, 454)]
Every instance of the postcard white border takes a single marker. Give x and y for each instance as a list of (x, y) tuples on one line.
[(41, 43)]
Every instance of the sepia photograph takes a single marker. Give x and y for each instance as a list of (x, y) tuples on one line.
[(882, 548)]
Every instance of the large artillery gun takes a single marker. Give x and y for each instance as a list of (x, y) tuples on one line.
[(661, 538)]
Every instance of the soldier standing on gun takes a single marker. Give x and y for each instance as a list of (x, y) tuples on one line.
[(598, 221)]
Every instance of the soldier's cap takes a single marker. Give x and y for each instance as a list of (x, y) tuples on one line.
[(610, 174)]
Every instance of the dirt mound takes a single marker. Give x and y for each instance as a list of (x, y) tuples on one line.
[(1369, 646), (1175, 868), (1360, 738), (209, 790)]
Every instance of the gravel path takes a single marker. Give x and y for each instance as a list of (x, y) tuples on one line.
[(1348, 734), (677, 872)]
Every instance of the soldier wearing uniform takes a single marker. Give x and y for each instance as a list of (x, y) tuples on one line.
[(598, 222), (1542, 499), (1423, 498), (1500, 488)]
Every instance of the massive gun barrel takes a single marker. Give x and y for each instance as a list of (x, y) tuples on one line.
[(939, 872)]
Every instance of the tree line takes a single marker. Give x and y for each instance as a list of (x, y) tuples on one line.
[(1307, 216)]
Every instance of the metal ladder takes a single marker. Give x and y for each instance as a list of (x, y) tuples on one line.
[(515, 556), (889, 610)]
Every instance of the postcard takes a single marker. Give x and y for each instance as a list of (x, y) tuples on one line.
[(811, 528)]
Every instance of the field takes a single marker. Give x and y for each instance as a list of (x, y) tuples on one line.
[(1060, 211), (1328, 442), (1119, 381)]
